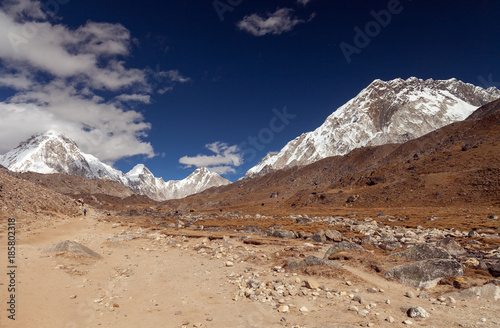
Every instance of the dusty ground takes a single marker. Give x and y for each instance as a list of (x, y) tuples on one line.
[(169, 280)]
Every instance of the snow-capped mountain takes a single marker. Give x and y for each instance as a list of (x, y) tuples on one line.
[(142, 181), (384, 112), (53, 152)]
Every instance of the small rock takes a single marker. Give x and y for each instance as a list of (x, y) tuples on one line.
[(408, 322), (229, 264), (410, 295), (284, 309), (358, 299), (303, 309), (210, 319), (353, 308), (312, 284), (417, 312), (389, 319), (72, 297)]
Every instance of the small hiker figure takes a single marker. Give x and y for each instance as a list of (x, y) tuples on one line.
[(84, 212)]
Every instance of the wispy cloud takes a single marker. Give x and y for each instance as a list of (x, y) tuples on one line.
[(73, 80), (303, 2), (279, 22), (223, 161)]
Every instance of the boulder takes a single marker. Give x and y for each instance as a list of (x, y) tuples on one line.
[(319, 236), (72, 247), (310, 261), (425, 274), (494, 269), (343, 247), (333, 235), (253, 229), (452, 247), (485, 292), (422, 252), (284, 234)]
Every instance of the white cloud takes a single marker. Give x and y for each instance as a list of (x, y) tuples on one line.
[(76, 64), (224, 159), (223, 169), (22, 9), (134, 97), (276, 23), (303, 2)]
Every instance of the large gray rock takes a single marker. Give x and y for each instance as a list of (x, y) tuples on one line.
[(310, 261), (284, 234), (72, 247), (422, 252), (486, 292), (425, 274), (343, 247), (451, 246), (319, 236)]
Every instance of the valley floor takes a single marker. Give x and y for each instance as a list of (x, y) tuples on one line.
[(166, 277)]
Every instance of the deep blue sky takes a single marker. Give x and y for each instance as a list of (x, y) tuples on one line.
[(236, 78)]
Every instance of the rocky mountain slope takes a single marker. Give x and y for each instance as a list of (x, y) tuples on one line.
[(53, 152), (457, 166), (27, 201), (385, 112)]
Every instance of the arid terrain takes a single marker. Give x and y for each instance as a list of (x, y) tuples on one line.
[(312, 246)]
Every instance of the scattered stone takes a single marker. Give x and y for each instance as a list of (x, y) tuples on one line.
[(353, 308), (312, 284), (425, 274), (283, 309), (417, 312), (358, 299), (410, 295), (408, 322), (389, 319), (229, 264), (303, 309), (424, 294), (72, 297)]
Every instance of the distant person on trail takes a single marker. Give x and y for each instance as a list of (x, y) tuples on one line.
[(84, 212)]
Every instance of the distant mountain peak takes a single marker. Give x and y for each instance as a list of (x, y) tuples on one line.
[(384, 112), (54, 152)]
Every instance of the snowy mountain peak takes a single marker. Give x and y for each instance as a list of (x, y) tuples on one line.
[(54, 152), (384, 112)]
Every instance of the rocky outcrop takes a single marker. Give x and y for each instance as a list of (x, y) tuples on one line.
[(422, 252), (425, 274)]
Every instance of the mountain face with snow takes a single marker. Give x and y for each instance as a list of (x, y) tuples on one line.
[(53, 152), (384, 112)]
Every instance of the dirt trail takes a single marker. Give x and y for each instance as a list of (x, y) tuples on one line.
[(164, 281)]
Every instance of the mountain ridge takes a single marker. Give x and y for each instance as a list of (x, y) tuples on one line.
[(384, 112), (54, 152)]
